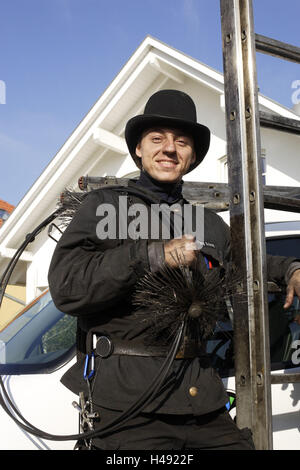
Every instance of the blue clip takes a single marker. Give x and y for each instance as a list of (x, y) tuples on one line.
[(88, 375)]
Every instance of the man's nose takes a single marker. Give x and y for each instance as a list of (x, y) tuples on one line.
[(169, 145)]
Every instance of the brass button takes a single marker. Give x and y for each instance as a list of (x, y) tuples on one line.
[(193, 391)]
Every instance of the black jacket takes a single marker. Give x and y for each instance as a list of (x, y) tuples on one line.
[(94, 280)]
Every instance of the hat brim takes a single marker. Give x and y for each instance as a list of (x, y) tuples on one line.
[(138, 124)]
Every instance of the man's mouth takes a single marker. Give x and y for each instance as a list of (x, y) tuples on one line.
[(167, 163)]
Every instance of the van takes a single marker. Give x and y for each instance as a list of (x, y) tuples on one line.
[(38, 346)]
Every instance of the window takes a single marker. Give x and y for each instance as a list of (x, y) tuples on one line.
[(264, 166), (39, 340), (284, 246), (220, 349), (284, 331), (4, 214), (223, 167)]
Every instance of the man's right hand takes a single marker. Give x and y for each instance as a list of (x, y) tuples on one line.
[(180, 251)]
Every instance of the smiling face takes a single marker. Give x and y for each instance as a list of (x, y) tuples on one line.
[(166, 153)]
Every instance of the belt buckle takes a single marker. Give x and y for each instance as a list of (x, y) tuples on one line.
[(104, 346)]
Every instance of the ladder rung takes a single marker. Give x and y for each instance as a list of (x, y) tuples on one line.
[(281, 203), (203, 192), (285, 378), (279, 123), (277, 48)]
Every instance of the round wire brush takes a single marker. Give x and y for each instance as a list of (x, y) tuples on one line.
[(169, 296)]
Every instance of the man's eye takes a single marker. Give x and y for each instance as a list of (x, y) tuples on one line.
[(181, 142), (156, 139)]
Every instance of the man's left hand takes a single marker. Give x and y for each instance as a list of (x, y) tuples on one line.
[(293, 288)]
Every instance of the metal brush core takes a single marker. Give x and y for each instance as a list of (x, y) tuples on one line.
[(195, 310)]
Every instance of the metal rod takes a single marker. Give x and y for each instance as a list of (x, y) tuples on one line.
[(277, 48), (251, 335), (11, 297)]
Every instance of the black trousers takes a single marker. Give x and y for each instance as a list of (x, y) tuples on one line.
[(214, 431)]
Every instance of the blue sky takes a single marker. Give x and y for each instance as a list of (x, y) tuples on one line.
[(58, 56)]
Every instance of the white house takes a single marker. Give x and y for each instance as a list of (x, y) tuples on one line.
[(97, 148)]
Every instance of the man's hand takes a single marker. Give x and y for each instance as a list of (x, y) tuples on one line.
[(180, 251), (293, 288)]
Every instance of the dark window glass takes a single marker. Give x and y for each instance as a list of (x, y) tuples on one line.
[(3, 214), (284, 246), (284, 331), (40, 339)]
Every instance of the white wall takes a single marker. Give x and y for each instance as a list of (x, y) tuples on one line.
[(37, 270)]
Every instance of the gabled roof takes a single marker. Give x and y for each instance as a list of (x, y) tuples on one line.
[(147, 70)]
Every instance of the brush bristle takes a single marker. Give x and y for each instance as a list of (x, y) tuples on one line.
[(171, 296)]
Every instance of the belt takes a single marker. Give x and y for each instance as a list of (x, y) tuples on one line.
[(105, 347)]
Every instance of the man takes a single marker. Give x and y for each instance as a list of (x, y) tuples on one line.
[(146, 399)]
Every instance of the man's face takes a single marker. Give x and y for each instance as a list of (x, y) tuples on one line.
[(166, 153)]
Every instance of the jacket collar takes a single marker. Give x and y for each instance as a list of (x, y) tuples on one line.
[(167, 192)]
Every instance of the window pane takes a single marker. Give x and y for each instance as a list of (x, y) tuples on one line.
[(284, 331), (3, 214), (40, 338), (220, 349), (284, 246)]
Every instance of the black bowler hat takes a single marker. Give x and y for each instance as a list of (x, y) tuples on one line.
[(169, 108)]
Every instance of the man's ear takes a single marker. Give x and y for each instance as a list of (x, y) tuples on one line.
[(138, 150), (193, 158)]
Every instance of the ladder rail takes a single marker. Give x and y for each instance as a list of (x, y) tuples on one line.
[(243, 122), (251, 329)]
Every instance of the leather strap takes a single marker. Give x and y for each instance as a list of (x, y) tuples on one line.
[(106, 347)]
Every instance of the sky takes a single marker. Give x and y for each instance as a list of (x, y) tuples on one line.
[(57, 57)]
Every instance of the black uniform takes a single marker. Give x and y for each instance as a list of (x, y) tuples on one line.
[(94, 280)]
